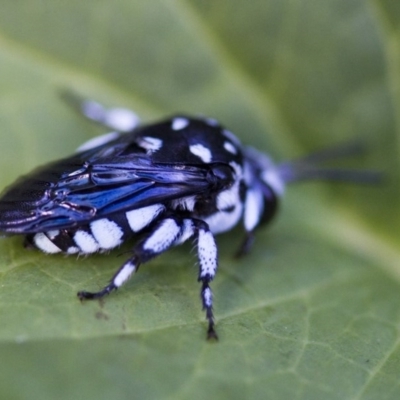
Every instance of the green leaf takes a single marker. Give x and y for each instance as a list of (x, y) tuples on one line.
[(314, 311)]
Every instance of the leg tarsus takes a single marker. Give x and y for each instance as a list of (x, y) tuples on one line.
[(206, 297), (121, 276), (83, 295), (211, 334)]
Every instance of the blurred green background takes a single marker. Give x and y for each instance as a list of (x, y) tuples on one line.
[(314, 311)]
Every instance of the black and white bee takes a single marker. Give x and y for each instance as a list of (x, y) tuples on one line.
[(165, 183)]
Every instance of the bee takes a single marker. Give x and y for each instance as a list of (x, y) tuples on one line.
[(161, 184)]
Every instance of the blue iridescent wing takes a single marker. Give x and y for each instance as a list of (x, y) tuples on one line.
[(94, 184)]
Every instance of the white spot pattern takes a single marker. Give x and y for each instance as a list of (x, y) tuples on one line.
[(228, 146), (253, 209), (201, 151), (186, 232), (223, 221), (85, 241), (124, 274), (151, 144), (140, 218), (163, 236), (207, 296), (43, 243), (179, 123), (229, 197), (207, 254), (72, 250), (52, 234), (107, 233)]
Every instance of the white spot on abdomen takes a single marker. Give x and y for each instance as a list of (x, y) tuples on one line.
[(85, 241), (201, 151), (107, 233), (42, 242), (72, 250), (140, 218), (52, 234)]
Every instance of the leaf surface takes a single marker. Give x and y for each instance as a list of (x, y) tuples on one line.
[(314, 311)]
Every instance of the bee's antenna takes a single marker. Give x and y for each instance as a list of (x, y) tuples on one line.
[(308, 168)]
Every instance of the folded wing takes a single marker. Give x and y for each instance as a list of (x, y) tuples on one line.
[(87, 186)]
